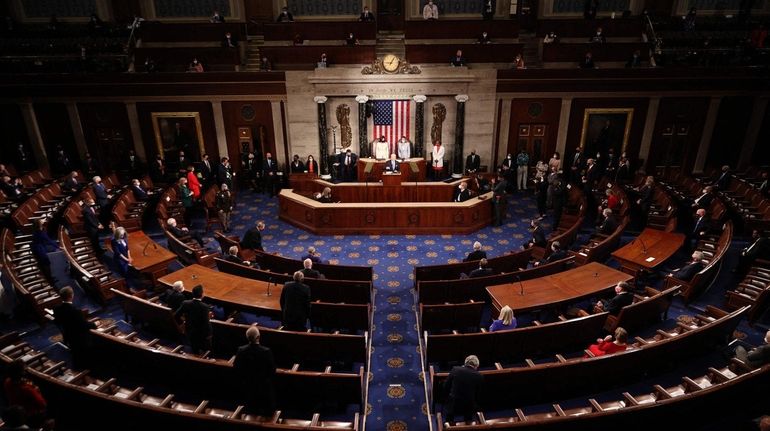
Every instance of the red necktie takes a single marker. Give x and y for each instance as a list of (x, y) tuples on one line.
[(310, 167)]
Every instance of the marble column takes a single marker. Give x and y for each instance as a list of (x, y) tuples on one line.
[(419, 125), (363, 134), (33, 133), (649, 127), (708, 132), (281, 144), (136, 131), (219, 127), (77, 129), (457, 163), (561, 135), (752, 132), (323, 139)]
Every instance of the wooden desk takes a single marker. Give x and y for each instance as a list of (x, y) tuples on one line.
[(556, 289), (150, 258), (230, 291), (379, 165), (651, 248)]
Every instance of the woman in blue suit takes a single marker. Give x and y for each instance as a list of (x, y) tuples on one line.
[(41, 245), (120, 251)]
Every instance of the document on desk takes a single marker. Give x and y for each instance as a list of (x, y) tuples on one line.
[(649, 259)]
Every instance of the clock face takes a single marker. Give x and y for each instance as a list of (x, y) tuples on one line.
[(390, 62)]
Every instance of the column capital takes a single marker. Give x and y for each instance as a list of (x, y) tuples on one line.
[(320, 99), (362, 99), (461, 98), (420, 98)]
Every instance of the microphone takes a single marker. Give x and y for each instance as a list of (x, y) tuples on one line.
[(269, 280), (144, 250), (644, 247), (521, 286)]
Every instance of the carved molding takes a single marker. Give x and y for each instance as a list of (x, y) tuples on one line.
[(320, 99), (362, 99), (420, 98), (403, 69)]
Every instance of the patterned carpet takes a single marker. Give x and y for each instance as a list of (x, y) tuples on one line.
[(396, 396)]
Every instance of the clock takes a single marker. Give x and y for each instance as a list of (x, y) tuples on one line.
[(390, 62)]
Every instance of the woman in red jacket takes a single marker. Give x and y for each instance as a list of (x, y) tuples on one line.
[(20, 391), (606, 346), (192, 182)]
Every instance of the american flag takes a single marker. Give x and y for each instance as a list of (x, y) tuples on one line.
[(391, 119)]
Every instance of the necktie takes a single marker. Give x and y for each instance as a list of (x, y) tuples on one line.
[(310, 167), (347, 160)]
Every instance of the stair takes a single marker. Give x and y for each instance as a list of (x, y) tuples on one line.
[(531, 50), (251, 63), (390, 42)]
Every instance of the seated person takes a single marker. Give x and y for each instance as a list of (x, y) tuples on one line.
[(635, 60), (588, 61), (609, 224), (484, 38), (392, 165), (550, 38), (505, 322), (758, 248), (308, 271), (175, 295), (482, 270), (325, 197), (606, 345), (476, 254), (140, 193), (461, 193), (195, 66), (217, 18), (458, 59), (688, 271), (285, 15), (71, 184), (623, 296), (313, 255), (323, 62), (229, 41), (538, 236), (556, 254), (705, 198), (351, 40), (757, 356), (598, 37), (366, 15), (182, 233), (265, 65), (232, 256), (518, 62)]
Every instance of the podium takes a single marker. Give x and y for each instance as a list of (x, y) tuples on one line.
[(391, 180)]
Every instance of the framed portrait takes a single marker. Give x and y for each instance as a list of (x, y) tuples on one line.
[(178, 131), (606, 128)]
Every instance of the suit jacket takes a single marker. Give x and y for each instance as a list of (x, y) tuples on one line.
[(295, 304), (270, 167), (139, 193), (687, 272), (759, 355), (366, 16), (723, 182), (475, 255), (704, 201), (224, 175), (70, 185), (73, 325), (608, 226), (619, 301), (311, 273), (556, 255), (702, 226), (91, 222), (463, 387), (312, 257), (538, 237), (235, 259), (197, 323), (206, 171), (174, 299), (177, 232), (481, 272), (760, 248), (252, 239), (392, 166), (472, 162), (40, 246), (100, 193), (297, 167), (255, 366), (462, 195)]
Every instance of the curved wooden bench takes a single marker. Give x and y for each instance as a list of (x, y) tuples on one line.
[(650, 308), (85, 268), (442, 317), (452, 271)]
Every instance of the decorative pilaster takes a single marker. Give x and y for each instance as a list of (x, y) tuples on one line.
[(33, 132), (136, 131), (708, 132), (363, 134), (457, 157), (323, 140), (219, 126), (419, 124)]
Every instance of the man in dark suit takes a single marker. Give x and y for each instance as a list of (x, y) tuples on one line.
[(576, 165), (175, 295), (472, 163), (461, 193), (623, 296), (538, 235), (92, 225), (140, 194), (701, 226), (308, 271), (500, 201), (71, 185), (392, 165), (196, 315), (458, 59), (255, 367), (133, 164), (252, 239), (232, 256), (100, 192), (91, 166), (463, 387), (556, 254), (757, 356), (482, 271), (476, 254), (206, 171), (687, 272), (366, 15), (74, 327), (758, 248), (609, 224), (225, 173), (229, 41), (158, 169), (182, 233), (347, 161), (705, 199), (269, 173), (623, 173), (313, 255), (295, 303), (723, 182)]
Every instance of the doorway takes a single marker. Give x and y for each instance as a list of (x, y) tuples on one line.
[(390, 15)]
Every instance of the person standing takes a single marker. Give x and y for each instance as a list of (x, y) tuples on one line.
[(488, 9), (186, 196), (41, 244), (295, 303), (472, 163), (500, 202), (348, 162), (270, 174), (75, 329), (437, 160), (92, 225), (253, 238), (255, 366), (225, 172), (224, 204), (430, 11), (522, 169), (404, 148), (366, 15), (121, 253), (193, 183), (196, 315), (463, 387), (381, 149)]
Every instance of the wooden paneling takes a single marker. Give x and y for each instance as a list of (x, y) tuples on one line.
[(522, 111), (461, 29), (14, 131), (437, 53), (637, 126), (308, 55), (145, 111), (730, 130), (106, 124), (124, 10), (687, 112), (189, 32), (320, 30), (178, 59), (56, 129), (611, 51), (259, 10), (579, 27), (261, 126)]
